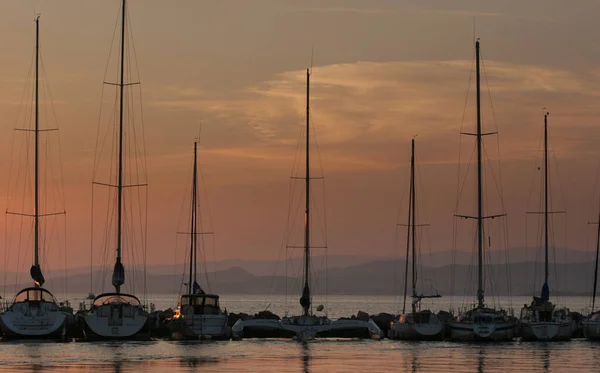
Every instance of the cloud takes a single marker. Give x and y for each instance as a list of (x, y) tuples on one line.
[(341, 10), (366, 109), (461, 13)]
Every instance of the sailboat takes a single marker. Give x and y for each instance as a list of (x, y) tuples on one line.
[(34, 312), (198, 314), (591, 325), (481, 323), (541, 320), (117, 315), (418, 324), (306, 326)]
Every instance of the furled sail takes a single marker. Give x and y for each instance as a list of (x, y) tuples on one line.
[(36, 275), (545, 292), (305, 298), (118, 277)]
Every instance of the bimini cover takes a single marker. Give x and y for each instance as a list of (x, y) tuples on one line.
[(118, 277), (36, 275)]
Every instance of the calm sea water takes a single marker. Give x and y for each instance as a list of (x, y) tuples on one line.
[(314, 356)]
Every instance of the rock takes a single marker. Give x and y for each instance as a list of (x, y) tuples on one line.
[(362, 316), (267, 315), (578, 326), (232, 317), (383, 321), (161, 330), (163, 315), (444, 316)]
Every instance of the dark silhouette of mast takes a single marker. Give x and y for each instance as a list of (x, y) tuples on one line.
[(480, 296), (36, 214), (193, 230), (410, 231), (546, 199), (413, 226), (119, 271), (596, 267), (305, 299), (411, 239)]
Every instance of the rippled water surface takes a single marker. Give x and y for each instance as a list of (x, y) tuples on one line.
[(315, 356)]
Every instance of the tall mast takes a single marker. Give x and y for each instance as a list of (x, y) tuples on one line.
[(36, 214), (305, 299), (480, 297), (546, 198), (408, 230), (118, 284), (596, 267), (413, 225), (193, 230)]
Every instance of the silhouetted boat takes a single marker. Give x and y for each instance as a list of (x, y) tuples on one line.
[(306, 326), (417, 324), (34, 312), (541, 320), (481, 323), (117, 315), (198, 314)]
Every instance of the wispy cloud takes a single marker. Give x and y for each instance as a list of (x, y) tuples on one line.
[(325, 9), (355, 106)]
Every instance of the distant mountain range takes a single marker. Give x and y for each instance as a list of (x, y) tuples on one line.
[(353, 275)]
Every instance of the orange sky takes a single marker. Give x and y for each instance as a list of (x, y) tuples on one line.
[(384, 71)]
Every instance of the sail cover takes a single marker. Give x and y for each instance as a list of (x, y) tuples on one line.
[(196, 289), (305, 298), (545, 292), (36, 275), (118, 277)]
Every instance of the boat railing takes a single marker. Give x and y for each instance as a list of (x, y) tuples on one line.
[(5, 305)]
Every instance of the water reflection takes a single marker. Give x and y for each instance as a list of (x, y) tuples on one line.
[(481, 360), (118, 366), (546, 357), (305, 357), (313, 357), (414, 360)]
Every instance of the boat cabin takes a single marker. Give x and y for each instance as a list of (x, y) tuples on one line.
[(34, 294), (198, 304), (115, 298)]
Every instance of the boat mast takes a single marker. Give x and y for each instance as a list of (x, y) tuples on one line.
[(193, 241), (596, 267), (305, 299), (546, 198), (36, 214), (480, 297), (408, 230), (413, 225), (118, 284)]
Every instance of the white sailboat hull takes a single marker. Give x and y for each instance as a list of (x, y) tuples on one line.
[(25, 320), (493, 331), (306, 328), (200, 327), (115, 321), (547, 331)]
